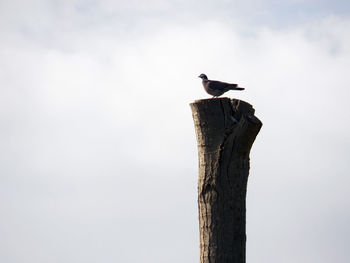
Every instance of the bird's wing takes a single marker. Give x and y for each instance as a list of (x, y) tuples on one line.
[(222, 86)]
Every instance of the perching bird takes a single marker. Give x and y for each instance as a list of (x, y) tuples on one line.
[(217, 88)]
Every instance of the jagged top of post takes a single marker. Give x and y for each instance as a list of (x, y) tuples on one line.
[(239, 107), (216, 118)]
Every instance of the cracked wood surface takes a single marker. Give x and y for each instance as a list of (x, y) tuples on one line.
[(225, 130)]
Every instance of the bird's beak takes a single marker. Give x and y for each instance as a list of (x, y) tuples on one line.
[(199, 76)]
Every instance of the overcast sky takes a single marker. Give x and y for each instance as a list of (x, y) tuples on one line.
[(98, 158)]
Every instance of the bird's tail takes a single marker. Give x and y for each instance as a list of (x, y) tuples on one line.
[(235, 87)]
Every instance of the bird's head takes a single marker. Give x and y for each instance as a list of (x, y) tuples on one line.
[(203, 76)]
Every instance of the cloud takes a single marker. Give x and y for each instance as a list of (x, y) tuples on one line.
[(99, 156)]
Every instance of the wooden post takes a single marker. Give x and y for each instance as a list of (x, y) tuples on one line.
[(225, 129)]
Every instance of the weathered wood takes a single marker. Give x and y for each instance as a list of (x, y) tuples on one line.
[(225, 129)]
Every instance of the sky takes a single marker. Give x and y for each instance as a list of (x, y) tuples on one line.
[(98, 155)]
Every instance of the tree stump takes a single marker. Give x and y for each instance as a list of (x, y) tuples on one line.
[(225, 130)]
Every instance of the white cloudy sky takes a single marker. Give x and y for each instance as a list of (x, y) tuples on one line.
[(97, 146)]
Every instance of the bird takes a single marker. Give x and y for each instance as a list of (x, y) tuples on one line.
[(217, 88)]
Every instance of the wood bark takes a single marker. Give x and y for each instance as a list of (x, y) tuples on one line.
[(225, 130)]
